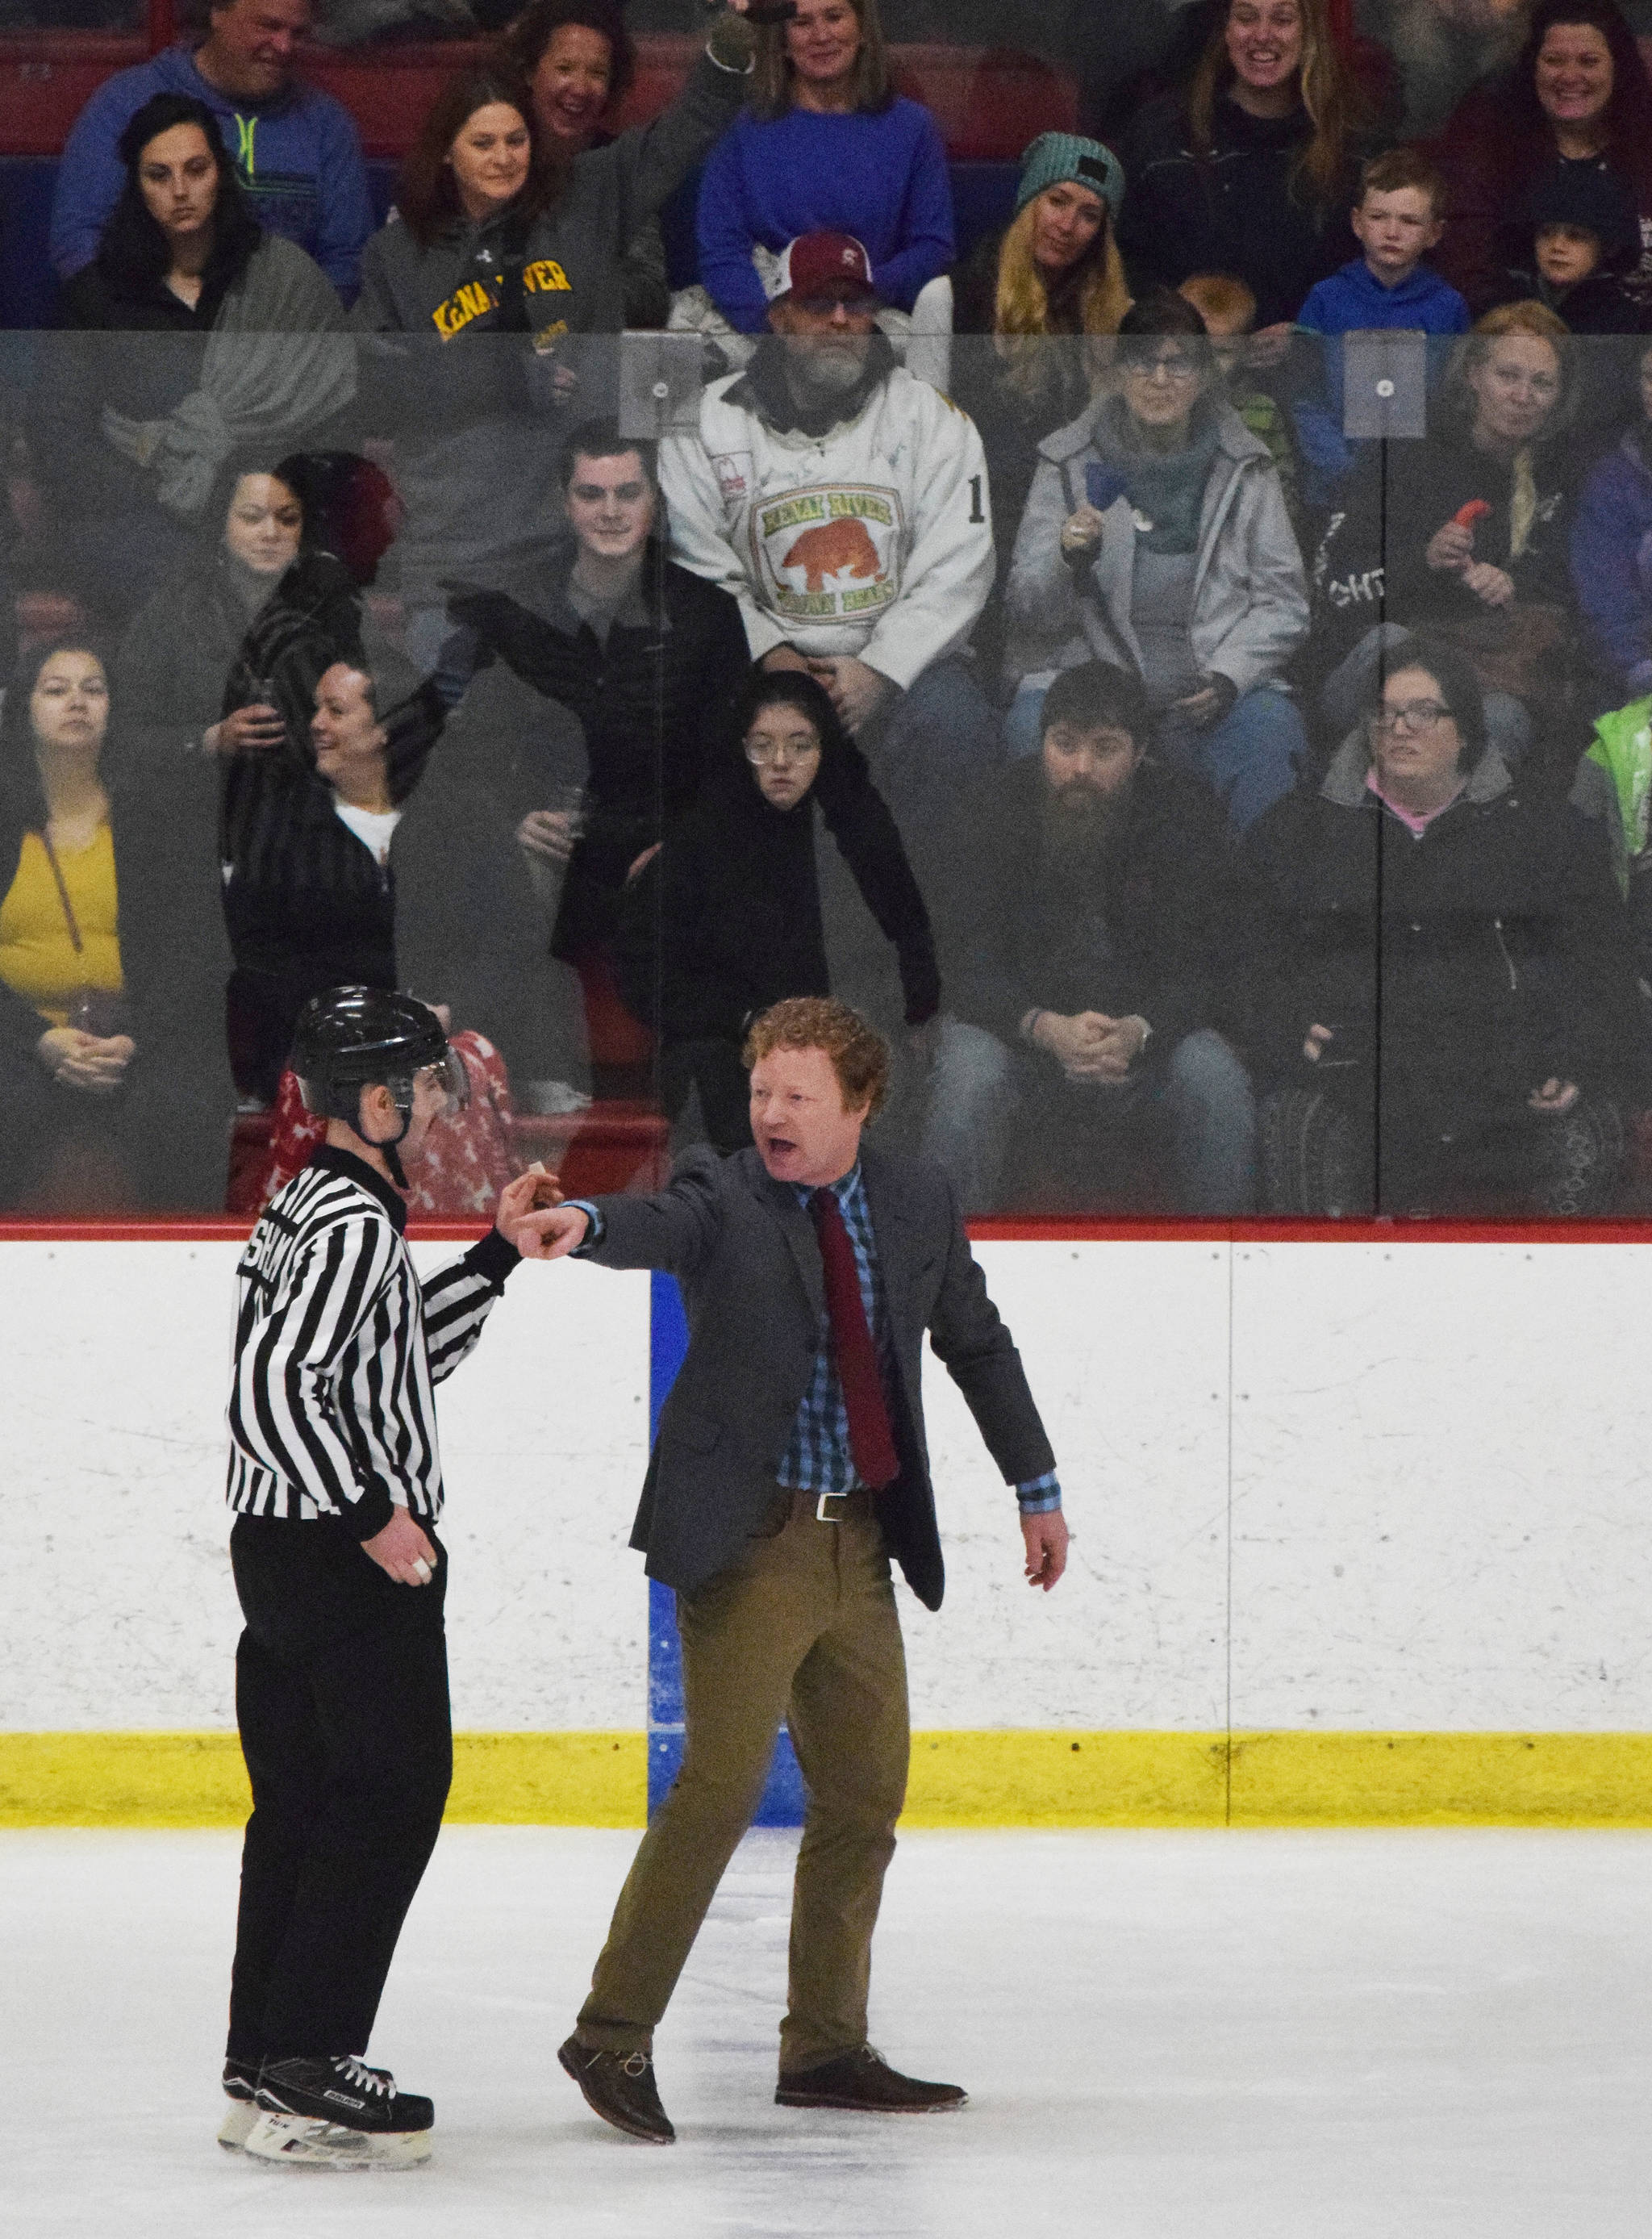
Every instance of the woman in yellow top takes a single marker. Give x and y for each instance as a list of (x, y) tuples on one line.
[(100, 1106)]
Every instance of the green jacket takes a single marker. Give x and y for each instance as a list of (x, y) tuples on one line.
[(1623, 748)]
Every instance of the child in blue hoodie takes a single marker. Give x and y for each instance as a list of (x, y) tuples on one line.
[(1398, 218)]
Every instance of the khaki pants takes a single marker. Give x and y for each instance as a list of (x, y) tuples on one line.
[(803, 1628)]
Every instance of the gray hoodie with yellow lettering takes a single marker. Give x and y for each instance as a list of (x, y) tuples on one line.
[(466, 338)]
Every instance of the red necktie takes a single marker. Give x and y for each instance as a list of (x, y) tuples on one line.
[(871, 1440)]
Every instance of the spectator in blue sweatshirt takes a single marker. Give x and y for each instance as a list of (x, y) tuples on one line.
[(1398, 218), (826, 147), (295, 149), (1611, 557)]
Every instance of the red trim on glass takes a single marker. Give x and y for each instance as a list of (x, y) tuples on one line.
[(1040, 1229)]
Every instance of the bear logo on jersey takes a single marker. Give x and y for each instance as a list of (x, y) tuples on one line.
[(830, 555), (836, 548)]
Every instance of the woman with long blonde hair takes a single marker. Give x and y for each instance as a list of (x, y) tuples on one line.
[(1033, 301), (1253, 169), (1472, 528)]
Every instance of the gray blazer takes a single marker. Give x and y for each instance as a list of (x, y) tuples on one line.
[(743, 1251)]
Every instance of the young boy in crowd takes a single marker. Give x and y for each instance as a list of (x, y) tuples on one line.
[(1399, 217), (1229, 310), (1583, 238)]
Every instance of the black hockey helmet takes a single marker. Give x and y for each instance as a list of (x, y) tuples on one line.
[(349, 1038)]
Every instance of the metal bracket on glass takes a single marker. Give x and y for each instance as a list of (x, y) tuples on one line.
[(661, 378), (1385, 383)]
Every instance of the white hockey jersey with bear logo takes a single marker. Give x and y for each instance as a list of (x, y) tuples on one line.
[(874, 539)]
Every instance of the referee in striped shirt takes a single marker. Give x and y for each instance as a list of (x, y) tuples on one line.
[(341, 1673)]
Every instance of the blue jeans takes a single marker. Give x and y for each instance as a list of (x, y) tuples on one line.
[(934, 741), (1249, 760), (981, 1087)]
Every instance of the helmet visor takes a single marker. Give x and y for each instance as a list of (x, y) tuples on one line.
[(449, 1075)]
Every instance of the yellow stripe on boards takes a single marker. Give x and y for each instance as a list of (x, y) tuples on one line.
[(198, 1780), (1442, 1780), (549, 1780), (1022, 1779), (1001, 1778)]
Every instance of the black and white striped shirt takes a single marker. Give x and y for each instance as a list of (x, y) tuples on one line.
[(338, 1348)]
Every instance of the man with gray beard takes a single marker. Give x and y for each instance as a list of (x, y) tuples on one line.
[(845, 504), (1087, 913)]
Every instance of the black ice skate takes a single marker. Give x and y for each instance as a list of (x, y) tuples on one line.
[(239, 2089), (338, 2113)]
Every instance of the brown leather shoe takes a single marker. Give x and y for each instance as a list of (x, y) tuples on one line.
[(864, 2082), (619, 2087)]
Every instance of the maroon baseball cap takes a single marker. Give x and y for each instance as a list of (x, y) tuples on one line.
[(818, 264)]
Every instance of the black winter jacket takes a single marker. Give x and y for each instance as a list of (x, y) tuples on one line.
[(726, 919), (177, 1090), (1468, 967), (451, 915), (1240, 209), (1372, 564), (650, 702), (1016, 937)]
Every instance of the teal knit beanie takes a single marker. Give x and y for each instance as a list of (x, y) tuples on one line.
[(1059, 158)]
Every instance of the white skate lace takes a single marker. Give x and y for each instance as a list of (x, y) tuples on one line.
[(635, 2063), (360, 2077)]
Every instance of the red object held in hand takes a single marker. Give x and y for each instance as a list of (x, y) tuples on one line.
[(1466, 515)]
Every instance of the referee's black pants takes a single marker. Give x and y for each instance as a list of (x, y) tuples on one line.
[(341, 1699)]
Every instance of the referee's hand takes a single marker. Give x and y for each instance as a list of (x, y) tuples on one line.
[(401, 1551)]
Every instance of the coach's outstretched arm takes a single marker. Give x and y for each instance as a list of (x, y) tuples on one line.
[(671, 1230)]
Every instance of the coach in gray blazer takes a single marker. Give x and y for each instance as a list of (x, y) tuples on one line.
[(743, 1251), (789, 1466)]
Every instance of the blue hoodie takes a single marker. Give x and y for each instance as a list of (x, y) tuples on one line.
[(297, 156), (1352, 301), (1612, 562)]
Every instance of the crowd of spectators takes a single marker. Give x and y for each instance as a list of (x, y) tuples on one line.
[(1227, 774)]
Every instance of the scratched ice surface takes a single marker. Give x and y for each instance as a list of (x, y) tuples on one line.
[(1351, 2035)]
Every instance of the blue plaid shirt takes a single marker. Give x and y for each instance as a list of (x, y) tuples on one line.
[(817, 1457)]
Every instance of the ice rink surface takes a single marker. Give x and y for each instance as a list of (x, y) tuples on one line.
[(1338, 2036)]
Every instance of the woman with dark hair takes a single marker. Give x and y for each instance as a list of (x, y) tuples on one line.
[(579, 61), (244, 346), (486, 172), (499, 267), (1442, 993), (180, 648), (378, 864), (113, 1089), (1253, 171), (1043, 290), (725, 918), (828, 147), (1157, 536), (1577, 99), (216, 675)]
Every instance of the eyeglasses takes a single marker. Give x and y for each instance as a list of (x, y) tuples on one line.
[(1416, 716), (1174, 366), (763, 751)]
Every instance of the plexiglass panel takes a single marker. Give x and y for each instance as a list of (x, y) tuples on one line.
[(1219, 814)]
